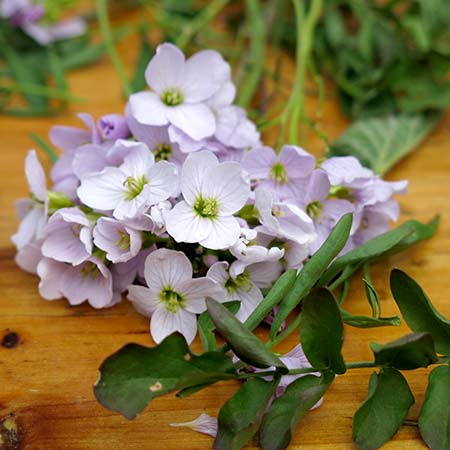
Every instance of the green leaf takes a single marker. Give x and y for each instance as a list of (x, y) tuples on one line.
[(45, 147), (322, 331), (409, 352), (369, 322), (386, 244), (383, 411), (134, 375), (418, 312), (24, 71), (287, 410), (245, 345), (379, 143), (371, 293), (206, 326), (434, 419), (313, 270), (241, 416), (276, 294)]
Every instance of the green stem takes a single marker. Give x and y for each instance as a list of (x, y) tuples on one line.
[(306, 370), (203, 18), (257, 49), (105, 28), (294, 112), (42, 91), (284, 334)]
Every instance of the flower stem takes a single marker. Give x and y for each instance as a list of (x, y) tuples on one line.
[(105, 28), (257, 49), (284, 334), (203, 18), (295, 108), (306, 370)]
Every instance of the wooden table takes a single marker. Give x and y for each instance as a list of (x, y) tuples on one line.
[(46, 379)]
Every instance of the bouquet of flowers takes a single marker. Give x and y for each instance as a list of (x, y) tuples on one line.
[(178, 204), (181, 186)]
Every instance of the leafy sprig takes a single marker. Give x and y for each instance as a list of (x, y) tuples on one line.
[(135, 374)]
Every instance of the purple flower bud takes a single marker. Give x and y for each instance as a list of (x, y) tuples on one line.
[(27, 15), (113, 126)]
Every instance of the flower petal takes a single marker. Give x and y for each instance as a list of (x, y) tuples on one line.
[(194, 172), (143, 300), (166, 268), (205, 73), (196, 120), (228, 184), (147, 108), (35, 176), (184, 225), (224, 232), (166, 68), (163, 323), (259, 161), (102, 190)]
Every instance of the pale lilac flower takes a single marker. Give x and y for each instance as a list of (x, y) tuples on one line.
[(28, 257), (157, 140), (212, 193), (158, 214), (352, 181), (91, 281), (33, 211), (324, 211), (202, 424), (294, 254), (248, 251), (119, 240), (373, 220), (179, 90), (172, 298), (284, 174), (130, 189), (69, 139), (28, 16), (45, 34), (283, 219), (113, 126), (93, 158), (245, 287), (68, 236)]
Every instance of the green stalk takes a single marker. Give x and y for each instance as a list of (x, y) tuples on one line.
[(203, 18), (105, 28), (295, 108), (257, 50), (284, 334), (42, 91), (305, 370)]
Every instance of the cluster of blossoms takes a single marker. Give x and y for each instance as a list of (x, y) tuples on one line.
[(177, 200), (41, 20)]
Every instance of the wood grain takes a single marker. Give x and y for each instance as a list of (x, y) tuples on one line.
[(46, 379)]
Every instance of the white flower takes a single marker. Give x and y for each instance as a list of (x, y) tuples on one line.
[(245, 287), (212, 193), (180, 88), (248, 251), (130, 189), (172, 297), (284, 220)]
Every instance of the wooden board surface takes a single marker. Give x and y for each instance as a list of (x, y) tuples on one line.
[(46, 379)]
